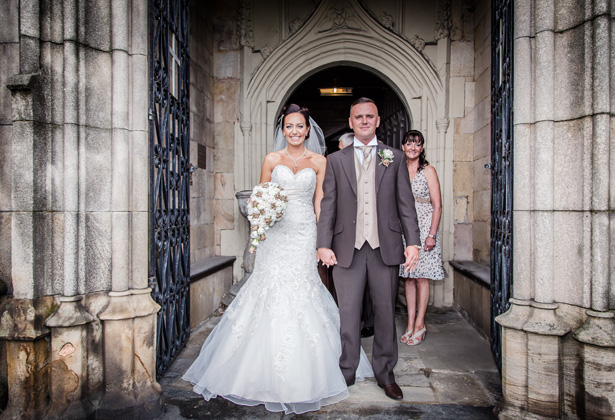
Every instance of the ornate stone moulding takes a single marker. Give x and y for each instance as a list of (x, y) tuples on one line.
[(534, 317), (129, 304), (598, 330), (24, 319), (544, 320), (70, 313), (516, 316)]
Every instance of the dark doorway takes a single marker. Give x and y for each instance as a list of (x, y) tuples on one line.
[(331, 112)]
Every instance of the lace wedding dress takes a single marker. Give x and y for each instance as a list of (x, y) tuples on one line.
[(278, 343)]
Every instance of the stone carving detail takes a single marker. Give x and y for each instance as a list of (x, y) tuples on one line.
[(266, 51), (295, 24), (444, 22), (244, 24), (418, 42), (386, 20), (341, 19)]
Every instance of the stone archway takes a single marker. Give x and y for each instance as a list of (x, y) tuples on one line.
[(324, 41)]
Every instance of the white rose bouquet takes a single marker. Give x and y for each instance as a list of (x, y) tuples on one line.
[(265, 207)]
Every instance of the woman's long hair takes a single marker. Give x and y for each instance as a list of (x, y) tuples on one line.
[(416, 136)]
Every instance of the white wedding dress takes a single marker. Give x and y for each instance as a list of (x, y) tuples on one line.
[(278, 342)]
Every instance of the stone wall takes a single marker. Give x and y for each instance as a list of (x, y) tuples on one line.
[(481, 177), (9, 63), (470, 99), (202, 140), (228, 222)]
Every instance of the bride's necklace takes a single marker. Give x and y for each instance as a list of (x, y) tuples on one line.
[(295, 160)]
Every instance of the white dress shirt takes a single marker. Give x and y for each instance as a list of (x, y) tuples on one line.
[(358, 145)]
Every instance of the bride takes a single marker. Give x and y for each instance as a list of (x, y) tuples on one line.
[(278, 343)]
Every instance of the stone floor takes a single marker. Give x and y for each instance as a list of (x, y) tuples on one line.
[(450, 376)]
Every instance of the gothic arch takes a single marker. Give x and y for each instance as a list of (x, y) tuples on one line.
[(332, 36)]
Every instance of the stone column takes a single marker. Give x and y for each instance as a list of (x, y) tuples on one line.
[(558, 333), (22, 317), (443, 291), (27, 343), (79, 214), (129, 357), (597, 338), (69, 359)]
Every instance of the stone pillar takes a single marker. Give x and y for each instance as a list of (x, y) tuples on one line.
[(544, 377), (558, 334), (532, 373), (27, 343), (129, 340), (597, 392), (443, 291), (69, 359), (79, 184)]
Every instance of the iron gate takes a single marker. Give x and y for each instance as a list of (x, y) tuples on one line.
[(501, 166), (169, 128)]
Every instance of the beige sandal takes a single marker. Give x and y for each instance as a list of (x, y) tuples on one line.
[(407, 336), (414, 340)]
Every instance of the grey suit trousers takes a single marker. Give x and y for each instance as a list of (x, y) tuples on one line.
[(367, 266)]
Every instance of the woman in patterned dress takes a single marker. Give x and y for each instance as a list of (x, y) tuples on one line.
[(426, 191)]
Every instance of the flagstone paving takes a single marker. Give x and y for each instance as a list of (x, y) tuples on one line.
[(451, 375)]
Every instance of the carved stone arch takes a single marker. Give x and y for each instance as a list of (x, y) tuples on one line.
[(337, 33)]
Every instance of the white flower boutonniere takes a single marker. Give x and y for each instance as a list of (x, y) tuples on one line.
[(386, 157)]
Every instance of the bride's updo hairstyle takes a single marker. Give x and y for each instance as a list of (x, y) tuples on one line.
[(294, 108)]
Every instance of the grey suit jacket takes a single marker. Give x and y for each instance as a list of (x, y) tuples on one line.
[(395, 206)]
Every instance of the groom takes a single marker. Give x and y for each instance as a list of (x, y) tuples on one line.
[(367, 204)]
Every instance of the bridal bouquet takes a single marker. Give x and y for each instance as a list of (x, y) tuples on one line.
[(265, 207)]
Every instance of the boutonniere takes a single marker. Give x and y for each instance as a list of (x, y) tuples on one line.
[(386, 157)]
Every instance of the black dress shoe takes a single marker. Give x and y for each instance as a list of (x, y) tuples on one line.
[(392, 391), (367, 332)]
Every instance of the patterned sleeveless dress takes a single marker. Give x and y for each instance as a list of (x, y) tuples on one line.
[(430, 262)]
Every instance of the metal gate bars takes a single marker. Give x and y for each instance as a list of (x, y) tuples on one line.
[(169, 128), (501, 165)]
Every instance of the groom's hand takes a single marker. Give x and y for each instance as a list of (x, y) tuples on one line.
[(412, 258), (327, 256)]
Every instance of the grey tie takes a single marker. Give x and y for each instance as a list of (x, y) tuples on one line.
[(367, 156)]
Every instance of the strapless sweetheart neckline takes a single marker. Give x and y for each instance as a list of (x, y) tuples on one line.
[(291, 171)]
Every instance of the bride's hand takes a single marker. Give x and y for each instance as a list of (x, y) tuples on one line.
[(327, 256)]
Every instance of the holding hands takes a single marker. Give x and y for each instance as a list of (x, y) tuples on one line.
[(412, 258), (327, 256)]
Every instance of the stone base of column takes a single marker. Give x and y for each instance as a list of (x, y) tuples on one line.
[(129, 328), (67, 364), (514, 413), (595, 385), (69, 360), (27, 343), (551, 371)]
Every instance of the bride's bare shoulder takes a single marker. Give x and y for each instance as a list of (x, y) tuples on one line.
[(273, 157)]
